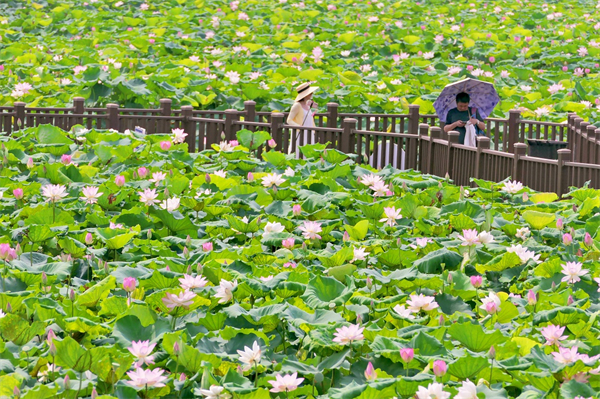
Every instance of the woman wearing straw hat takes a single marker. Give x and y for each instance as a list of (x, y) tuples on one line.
[(301, 114)]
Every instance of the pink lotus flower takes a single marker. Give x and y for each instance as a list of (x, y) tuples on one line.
[(89, 239), (7, 253), (469, 237), (142, 351), (225, 290), (391, 215), (18, 193), (207, 246), (370, 373), (129, 284), (566, 356), (148, 197), (310, 230), (531, 297), (439, 368), (165, 145), (120, 180), (476, 281), (178, 137), (142, 172), (189, 282), (288, 243), (296, 210), (572, 272), (90, 195), (567, 239), (54, 192), (416, 303), (65, 159), (147, 378), (348, 334), (491, 303), (553, 334), (184, 299), (286, 383), (407, 354)]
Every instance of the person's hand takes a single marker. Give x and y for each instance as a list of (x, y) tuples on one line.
[(460, 123), (474, 121), (313, 104)]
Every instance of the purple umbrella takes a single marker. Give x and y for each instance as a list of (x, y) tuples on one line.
[(483, 95)]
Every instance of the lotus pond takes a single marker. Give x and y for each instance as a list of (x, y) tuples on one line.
[(369, 56), (132, 268)]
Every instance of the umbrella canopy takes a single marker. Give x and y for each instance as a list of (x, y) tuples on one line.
[(483, 95)]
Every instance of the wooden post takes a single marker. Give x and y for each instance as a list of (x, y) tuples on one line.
[(452, 139), (277, 130), (590, 148), (564, 155), (78, 111), (570, 127), (520, 151), (434, 134), (413, 119), (19, 115), (250, 113), (514, 115), (332, 114), (231, 115), (347, 139), (423, 132), (165, 110), (597, 147), (113, 116), (189, 127), (577, 139), (483, 143)]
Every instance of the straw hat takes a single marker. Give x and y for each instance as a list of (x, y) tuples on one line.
[(304, 90)]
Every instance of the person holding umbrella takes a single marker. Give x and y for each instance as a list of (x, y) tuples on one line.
[(461, 116), (464, 105)]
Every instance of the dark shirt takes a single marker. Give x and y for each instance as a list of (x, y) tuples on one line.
[(455, 115)]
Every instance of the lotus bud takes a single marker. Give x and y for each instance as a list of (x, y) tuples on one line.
[(186, 253), (250, 177), (441, 320), (346, 236), (492, 353), (439, 368), (358, 315), (567, 239), (120, 180), (176, 349), (94, 393), (44, 278), (30, 163), (65, 159), (525, 197), (106, 268), (199, 268), (207, 178), (89, 238), (407, 354), (52, 349), (18, 249), (574, 208), (531, 297), (67, 382), (188, 241), (570, 300), (142, 172), (223, 135), (129, 284), (149, 234), (18, 193), (579, 253), (167, 268), (587, 240), (72, 295), (166, 192), (272, 143), (17, 392), (553, 287), (370, 373), (165, 145), (450, 278), (404, 186), (50, 336), (189, 269), (304, 246), (559, 224), (296, 210), (476, 281), (8, 307), (369, 283), (572, 231)]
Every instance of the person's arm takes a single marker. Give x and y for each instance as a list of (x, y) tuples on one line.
[(293, 113), (452, 126), (479, 121)]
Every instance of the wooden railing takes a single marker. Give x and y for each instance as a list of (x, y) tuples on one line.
[(406, 141)]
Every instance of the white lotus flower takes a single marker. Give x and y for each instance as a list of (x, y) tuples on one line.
[(214, 392), (416, 303), (170, 204), (273, 227), (272, 179), (512, 187), (225, 290), (403, 312), (189, 282), (250, 357), (523, 253)]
